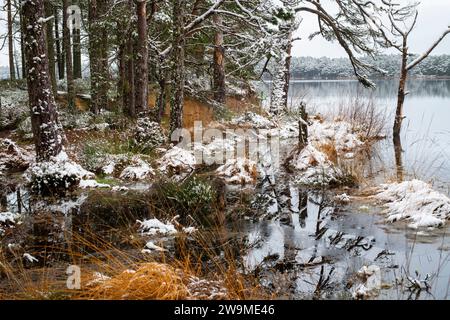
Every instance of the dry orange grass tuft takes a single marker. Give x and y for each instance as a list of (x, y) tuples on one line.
[(150, 281), (330, 151)]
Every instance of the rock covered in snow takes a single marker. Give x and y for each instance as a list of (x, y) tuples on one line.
[(58, 175), (148, 134), (177, 161), (416, 202), (137, 170), (238, 171), (312, 167), (25, 128)]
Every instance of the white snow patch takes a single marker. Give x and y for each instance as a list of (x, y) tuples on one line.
[(30, 258), (414, 201), (151, 246), (154, 226), (92, 184)]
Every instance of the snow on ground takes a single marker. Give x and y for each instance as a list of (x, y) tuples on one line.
[(416, 202), (138, 170), (313, 168), (177, 161), (238, 171), (252, 120), (153, 227)]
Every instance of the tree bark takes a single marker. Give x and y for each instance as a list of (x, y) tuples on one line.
[(401, 92), (77, 54), (12, 71), (68, 57), (59, 54), (219, 62), (178, 54), (280, 82), (98, 55), (141, 65), (44, 116), (76, 34), (22, 41), (49, 11)]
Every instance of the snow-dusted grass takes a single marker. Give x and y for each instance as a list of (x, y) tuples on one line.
[(339, 134), (416, 202), (312, 167)]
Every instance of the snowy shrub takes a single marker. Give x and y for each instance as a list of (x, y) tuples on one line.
[(13, 107), (148, 135), (57, 176)]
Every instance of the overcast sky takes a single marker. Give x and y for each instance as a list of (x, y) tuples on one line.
[(434, 17)]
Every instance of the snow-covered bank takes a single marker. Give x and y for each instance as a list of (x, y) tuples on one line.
[(416, 202)]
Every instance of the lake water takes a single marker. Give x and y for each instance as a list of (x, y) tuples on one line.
[(426, 129)]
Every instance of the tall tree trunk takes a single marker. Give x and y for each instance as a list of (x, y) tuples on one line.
[(68, 57), (12, 71), (141, 65), (44, 116), (219, 62), (280, 82), (98, 55), (59, 53), (76, 34), (128, 93), (49, 11), (77, 74), (401, 92), (177, 102), (161, 103), (22, 41)]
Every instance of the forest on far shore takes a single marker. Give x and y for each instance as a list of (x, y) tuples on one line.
[(436, 66)]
